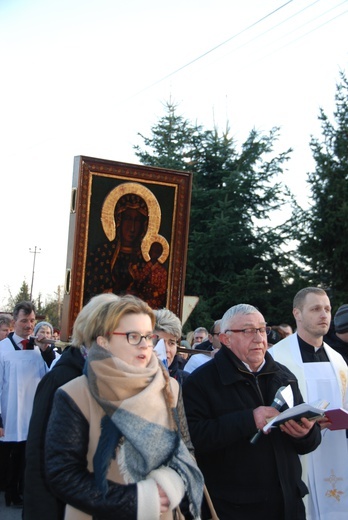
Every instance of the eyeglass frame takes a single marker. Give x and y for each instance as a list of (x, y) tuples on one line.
[(254, 330), (148, 338)]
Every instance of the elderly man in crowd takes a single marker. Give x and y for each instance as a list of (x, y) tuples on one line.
[(196, 360), (199, 335), (226, 401)]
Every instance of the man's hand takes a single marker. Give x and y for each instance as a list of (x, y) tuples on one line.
[(2, 432), (297, 429), (324, 422), (263, 414)]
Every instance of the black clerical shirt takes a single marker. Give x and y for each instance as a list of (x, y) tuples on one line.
[(310, 354)]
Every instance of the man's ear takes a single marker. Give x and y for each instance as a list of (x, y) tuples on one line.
[(224, 338), (296, 313), (102, 342)]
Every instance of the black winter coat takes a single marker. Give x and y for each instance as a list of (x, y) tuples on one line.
[(336, 343), (176, 372), (39, 502), (66, 464), (219, 399)]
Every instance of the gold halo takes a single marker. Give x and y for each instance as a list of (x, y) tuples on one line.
[(108, 217)]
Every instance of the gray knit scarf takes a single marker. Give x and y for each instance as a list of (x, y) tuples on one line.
[(140, 411)]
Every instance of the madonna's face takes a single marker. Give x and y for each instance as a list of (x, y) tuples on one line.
[(132, 227)]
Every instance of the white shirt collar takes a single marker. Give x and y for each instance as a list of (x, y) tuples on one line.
[(18, 340), (258, 370)]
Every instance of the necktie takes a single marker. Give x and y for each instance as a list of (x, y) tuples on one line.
[(25, 343)]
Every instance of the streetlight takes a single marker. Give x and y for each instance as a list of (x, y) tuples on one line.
[(35, 252)]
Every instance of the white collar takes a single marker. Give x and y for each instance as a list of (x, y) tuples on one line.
[(18, 340), (258, 370)]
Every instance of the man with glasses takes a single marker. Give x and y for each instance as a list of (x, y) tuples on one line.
[(226, 401), (213, 341)]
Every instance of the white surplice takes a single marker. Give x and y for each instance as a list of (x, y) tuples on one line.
[(20, 373), (325, 469)]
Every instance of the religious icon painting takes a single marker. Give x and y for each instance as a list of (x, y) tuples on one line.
[(128, 234)]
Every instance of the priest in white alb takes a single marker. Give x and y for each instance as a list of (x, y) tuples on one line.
[(322, 374)]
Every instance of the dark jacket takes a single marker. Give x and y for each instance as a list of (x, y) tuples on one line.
[(176, 371), (66, 464), (38, 499), (205, 345), (219, 399), (336, 343)]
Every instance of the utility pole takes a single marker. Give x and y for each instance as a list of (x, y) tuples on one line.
[(59, 304), (36, 251)]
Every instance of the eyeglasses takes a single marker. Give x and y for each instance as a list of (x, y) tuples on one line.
[(251, 331), (215, 333), (135, 338)]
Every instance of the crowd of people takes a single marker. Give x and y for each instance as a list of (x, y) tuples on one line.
[(107, 430)]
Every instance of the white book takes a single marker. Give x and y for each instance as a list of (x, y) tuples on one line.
[(310, 411)]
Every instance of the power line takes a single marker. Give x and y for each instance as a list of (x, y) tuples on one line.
[(313, 20), (277, 25), (253, 39), (301, 36), (211, 50)]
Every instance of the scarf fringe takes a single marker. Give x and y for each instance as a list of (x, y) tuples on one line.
[(122, 464)]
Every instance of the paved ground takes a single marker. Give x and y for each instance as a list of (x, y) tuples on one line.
[(9, 513)]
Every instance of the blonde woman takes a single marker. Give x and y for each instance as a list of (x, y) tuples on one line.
[(114, 447)]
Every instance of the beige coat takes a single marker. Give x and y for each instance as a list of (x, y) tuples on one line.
[(78, 390)]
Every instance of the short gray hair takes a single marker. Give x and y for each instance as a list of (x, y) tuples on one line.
[(6, 319), (167, 321), (241, 308), (201, 329)]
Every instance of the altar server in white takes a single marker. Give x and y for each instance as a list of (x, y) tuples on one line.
[(22, 365)]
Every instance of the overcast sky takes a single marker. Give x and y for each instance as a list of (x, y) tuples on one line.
[(82, 77)]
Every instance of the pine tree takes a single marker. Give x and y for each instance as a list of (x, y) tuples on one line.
[(171, 142), (24, 293), (234, 253), (324, 231)]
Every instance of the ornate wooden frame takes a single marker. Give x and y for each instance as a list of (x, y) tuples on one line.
[(97, 186)]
